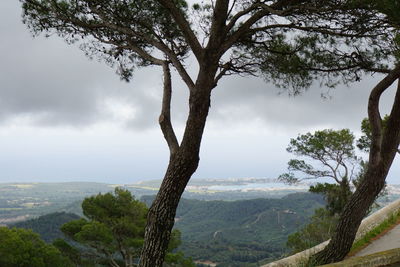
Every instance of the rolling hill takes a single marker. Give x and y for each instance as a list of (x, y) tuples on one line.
[(241, 233)]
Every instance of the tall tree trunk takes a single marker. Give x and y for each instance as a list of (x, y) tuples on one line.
[(351, 217), (384, 145), (183, 163), (161, 215)]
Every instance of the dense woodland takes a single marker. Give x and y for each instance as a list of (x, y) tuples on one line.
[(240, 232), (48, 226), (230, 233), (208, 228)]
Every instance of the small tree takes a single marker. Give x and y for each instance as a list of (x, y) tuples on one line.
[(114, 226), (23, 248), (323, 222), (328, 154), (331, 155)]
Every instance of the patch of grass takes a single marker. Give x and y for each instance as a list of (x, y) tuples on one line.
[(383, 227)]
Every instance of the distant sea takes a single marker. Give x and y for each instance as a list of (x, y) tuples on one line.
[(255, 186)]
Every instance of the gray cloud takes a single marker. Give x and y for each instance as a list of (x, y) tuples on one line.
[(247, 99), (55, 84)]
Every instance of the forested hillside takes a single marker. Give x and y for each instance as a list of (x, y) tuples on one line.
[(241, 233), (20, 202), (48, 226), (230, 233)]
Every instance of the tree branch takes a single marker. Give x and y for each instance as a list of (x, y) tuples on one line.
[(180, 68), (165, 116), (132, 47), (185, 27), (240, 14), (321, 29), (391, 135), (275, 8), (334, 170), (157, 44), (374, 114), (110, 257), (224, 69), (218, 32), (232, 7)]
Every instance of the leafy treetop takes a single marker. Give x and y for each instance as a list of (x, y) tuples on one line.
[(289, 42), (332, 151), (115, 224), (115, 229), (23, 248)]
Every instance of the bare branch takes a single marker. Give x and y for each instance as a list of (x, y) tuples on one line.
[(224, 69), (179, 67), (159, 44), (240, 14), (322, 29), (346, 170), (334, 170), (275, 8), (132, 47), (232, 7)]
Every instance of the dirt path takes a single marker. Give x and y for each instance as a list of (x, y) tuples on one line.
[(388, 241)]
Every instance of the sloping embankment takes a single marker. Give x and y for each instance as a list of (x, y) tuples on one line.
[(367, 224)]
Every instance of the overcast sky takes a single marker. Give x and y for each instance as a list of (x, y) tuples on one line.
[(64, 117)]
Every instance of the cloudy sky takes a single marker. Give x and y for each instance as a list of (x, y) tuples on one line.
[(64, 117)]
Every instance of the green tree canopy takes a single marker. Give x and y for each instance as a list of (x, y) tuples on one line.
[(23, 248), (330, 154), (114, 228), (314, 41), (115, 224)]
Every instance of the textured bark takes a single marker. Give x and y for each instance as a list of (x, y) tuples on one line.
[(384, 146), (184, 157), (165, 116), (183, 163), (352, 216), (161, 215)]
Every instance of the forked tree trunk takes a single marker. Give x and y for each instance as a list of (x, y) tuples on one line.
[(183, 163), (384, 145)]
